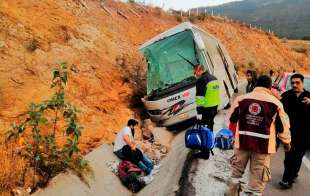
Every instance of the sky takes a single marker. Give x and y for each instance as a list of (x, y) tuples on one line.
[(185, 4)]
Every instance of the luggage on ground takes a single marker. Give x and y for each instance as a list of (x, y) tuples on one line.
[(199, 137), (224, 139), (129, 175)]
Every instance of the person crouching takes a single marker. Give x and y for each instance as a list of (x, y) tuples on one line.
[(126, 149)]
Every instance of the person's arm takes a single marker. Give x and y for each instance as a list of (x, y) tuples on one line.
[(285, 101), (129, 142), (233, 127), (234, 116), (283, 126)]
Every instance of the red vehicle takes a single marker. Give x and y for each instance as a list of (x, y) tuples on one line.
[(283, 83)]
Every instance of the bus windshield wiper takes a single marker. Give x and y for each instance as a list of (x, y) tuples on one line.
[(191, 63)]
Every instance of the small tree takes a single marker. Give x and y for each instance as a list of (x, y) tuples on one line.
[(43, 127)]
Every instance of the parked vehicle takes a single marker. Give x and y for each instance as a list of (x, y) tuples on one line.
[(283, 83), (171, 88)]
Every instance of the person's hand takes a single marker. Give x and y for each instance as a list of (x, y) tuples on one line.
[(306, 100), (199, 116), (133, 147), (287, 147)]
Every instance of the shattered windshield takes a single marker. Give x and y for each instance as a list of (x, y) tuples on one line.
[(170, 61)]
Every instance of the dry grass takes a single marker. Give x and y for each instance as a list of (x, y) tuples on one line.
[(45, 29), (12, 168), (301, 46)]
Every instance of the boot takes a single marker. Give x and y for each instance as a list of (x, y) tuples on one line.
[(233, 189)]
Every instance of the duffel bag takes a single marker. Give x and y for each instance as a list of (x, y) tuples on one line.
[(199, 137), (208, 138), (224, 139), (193, 138)]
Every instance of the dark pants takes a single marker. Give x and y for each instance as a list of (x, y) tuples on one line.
[(208, 115), (132, 156), (293, 158), (119, 154), (136, 157)]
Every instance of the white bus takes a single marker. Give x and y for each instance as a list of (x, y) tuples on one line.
[(170, 57)]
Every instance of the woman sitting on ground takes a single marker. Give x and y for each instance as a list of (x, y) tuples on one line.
[(125, 149)]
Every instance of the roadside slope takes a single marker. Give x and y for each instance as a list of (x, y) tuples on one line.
[(165, 183), (102, 52), (106, 70)]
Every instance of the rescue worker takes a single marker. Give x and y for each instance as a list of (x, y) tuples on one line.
[(257, 119), (207, 100), (296, 103), (251, 77)]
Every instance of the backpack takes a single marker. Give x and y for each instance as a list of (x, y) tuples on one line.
[(224, 139), (129, 174), (199, 138)]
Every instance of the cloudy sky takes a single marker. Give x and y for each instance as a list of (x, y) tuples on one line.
[(184, 4)]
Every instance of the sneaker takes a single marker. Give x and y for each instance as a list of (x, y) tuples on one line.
[(233, 189), (243, 193), (153, 172), (156, 167), (250, 193), (147, 179), (285, 185)]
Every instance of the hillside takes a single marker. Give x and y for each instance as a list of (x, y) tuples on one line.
[(301, 46), (285, 17), (105, 66)]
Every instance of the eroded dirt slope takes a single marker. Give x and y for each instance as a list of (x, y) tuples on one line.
[(101, 49), (105, 65)]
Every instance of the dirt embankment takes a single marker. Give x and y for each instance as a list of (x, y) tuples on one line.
[(105, 67), (255, 49)]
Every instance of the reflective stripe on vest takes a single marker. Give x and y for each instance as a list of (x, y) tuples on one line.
[(253, 134), (212, 97)]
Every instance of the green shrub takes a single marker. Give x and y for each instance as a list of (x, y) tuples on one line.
[(42, 127)]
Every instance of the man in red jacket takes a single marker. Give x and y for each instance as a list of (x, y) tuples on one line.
[(258, 118)]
